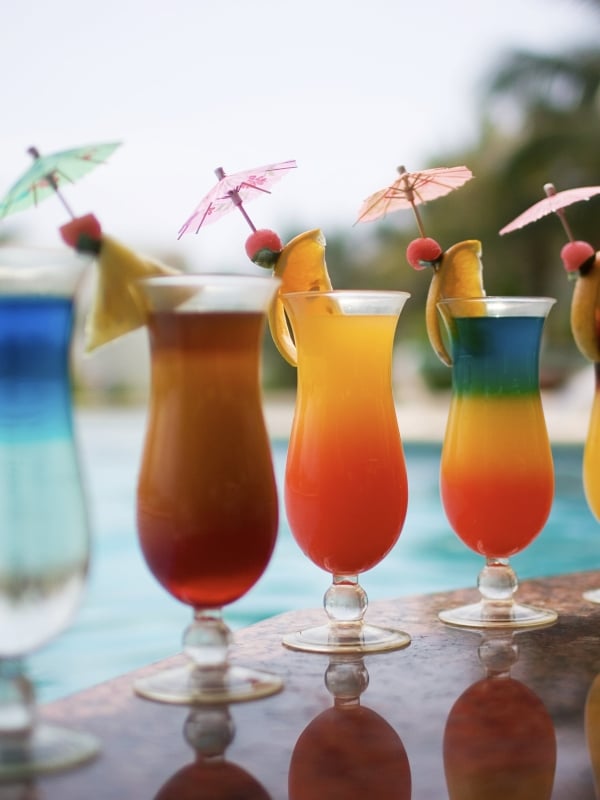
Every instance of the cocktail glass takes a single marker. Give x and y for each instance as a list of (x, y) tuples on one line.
[(497, 474), (207, 510), (591, 465), (346, 487), (499, 738), (44, 533), (349, 750)]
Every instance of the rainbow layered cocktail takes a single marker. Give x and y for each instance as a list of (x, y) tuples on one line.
[(497, 476)]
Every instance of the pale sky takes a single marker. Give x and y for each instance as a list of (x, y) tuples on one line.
[(350, 90)]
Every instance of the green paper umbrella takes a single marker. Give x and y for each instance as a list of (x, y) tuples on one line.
[(48, 173)]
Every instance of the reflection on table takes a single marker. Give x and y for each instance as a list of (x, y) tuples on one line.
[(517, 727), (499, 739), (349, 750), (210, 776)]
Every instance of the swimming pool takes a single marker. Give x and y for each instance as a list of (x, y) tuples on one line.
[(127, 620)]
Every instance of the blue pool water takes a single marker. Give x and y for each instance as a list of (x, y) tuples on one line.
[(127, 620)]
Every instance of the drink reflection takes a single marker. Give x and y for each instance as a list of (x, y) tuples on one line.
[(499, 739), (26, 790), (592, 730), (209, 731), (348, 750)]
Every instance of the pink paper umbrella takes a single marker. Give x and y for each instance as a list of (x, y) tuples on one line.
[(411, 189), (231, 191), (554, 202)]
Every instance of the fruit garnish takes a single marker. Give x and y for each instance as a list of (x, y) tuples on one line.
[(84, 234), (458, 274), (117, 304), (423, 252), (301, 267), (574, 254), (585, 312), (263, 247), (579, 260)]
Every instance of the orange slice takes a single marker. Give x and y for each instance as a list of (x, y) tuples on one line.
[(301, 267), (459, 274), (117, 304), (585, 313)]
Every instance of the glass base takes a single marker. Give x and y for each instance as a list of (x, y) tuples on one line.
[(49, 748), (192, 686), (592, 596), (350, 638), (498, 615)]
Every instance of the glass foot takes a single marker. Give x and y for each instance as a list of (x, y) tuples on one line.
[(497, 584), (191, 685), (349, 638), (592, 596), (485, 614), (49, 748)]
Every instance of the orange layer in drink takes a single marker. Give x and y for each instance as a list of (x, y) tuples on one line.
[(207, 501), (497, 478), (591, 453), (346, 490)]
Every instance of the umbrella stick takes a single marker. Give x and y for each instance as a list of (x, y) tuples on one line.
[(237, 201), (566, 227), (35, 153), (51, 180), (418, 218), (235, 198), (550, 189)]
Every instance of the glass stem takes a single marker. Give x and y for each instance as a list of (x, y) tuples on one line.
[(346, 678), (498, 652), (209, 731), (497, 582), (345, 601), (17, 701), (206, 640)]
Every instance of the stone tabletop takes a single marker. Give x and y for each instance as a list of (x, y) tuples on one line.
[(455, 714)]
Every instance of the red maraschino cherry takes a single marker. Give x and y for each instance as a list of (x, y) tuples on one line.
[(423, 252), (82, 233), (263, 247), (574, 254)]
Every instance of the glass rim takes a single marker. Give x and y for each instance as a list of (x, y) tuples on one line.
[(22, 256), (189, 292), (367, 293), (347, 302), (200, 279), (499, 303), (41, 271)]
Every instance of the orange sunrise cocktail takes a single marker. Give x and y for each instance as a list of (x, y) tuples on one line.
[(346, 489), (497, 475), (345, 474)]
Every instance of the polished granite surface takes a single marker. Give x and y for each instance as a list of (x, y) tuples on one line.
[(428, 724)]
